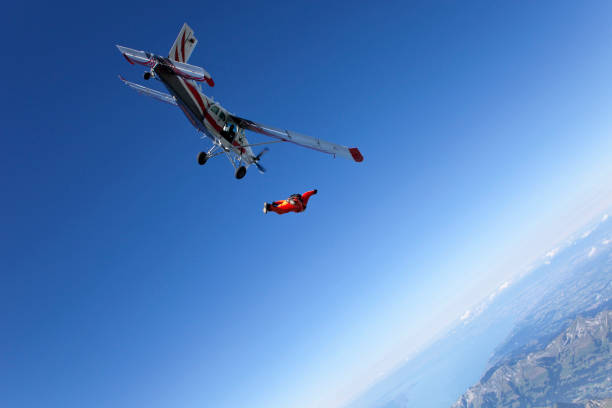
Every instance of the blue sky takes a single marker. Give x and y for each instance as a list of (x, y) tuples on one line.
[(132, 276)]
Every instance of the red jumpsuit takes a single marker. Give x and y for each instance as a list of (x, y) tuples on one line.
[(295, 203)]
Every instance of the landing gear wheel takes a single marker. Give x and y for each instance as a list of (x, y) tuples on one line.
[(240, 172), (147, 76), (202, 158)]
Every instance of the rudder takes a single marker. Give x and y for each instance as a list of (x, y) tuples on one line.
[(183, 45)]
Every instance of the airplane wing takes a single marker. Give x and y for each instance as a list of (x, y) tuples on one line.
[(160, 96), (299, 139)]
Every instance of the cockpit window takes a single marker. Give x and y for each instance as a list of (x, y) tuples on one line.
[(215, 109), (222, 116)]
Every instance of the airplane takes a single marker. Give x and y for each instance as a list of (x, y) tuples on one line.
[(225, 130)]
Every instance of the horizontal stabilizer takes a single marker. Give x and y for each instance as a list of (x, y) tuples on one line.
[(160, 96), (138, 57), (147, 59), (192, 72)]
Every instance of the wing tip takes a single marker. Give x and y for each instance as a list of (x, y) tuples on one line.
[(357, 156)]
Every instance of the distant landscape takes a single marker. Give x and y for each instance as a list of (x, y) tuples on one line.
[(544, 340), (575, 368)]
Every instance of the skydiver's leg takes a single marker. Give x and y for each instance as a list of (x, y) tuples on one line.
[(276, 206), (282, 207), (278, 210)]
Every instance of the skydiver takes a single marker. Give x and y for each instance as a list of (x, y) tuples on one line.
[(295, 202), (228, 132)]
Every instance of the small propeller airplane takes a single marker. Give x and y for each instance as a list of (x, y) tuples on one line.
[(223, 128)]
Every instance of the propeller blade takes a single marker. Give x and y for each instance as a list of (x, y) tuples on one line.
[(261, 154), (260, 168)]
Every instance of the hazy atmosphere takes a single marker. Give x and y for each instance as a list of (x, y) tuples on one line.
[(131, 276)]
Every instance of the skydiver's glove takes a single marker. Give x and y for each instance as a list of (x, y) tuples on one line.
[(315, 191)]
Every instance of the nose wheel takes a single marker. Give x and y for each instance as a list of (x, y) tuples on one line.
[(240, 172), (203, 158)]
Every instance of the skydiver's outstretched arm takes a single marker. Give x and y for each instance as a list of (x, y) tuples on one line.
[(307, 195)]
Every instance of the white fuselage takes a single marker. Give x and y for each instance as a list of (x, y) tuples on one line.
[(206, 115)]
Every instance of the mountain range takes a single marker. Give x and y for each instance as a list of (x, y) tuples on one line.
[(501, 350)]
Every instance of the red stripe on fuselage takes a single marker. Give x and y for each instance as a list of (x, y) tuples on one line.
[(198, 98), (207, 116), (196, 95)]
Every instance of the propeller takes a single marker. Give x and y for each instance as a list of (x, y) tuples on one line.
[(257, 158), (261, 154), (260, 168)]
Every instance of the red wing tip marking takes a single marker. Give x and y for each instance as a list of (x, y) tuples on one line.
[(356, 154), (210, 82)]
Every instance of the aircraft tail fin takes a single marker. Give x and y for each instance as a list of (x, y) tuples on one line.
[(183, 45)]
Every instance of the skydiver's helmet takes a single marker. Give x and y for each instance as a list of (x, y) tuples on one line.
[(295, 198)]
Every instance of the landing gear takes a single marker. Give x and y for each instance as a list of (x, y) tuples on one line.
[(202, 158), (234, 159), (240, 172), (147, 76)]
